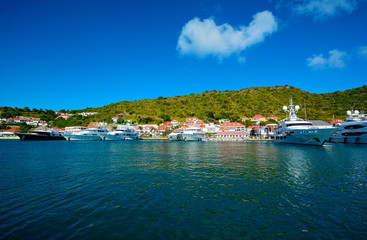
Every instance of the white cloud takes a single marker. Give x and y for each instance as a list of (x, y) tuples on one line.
[(336, 60), (317, 61), (205, 38), (322, 9), (362, 51)]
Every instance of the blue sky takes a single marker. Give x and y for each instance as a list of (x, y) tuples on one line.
[(77, 54)]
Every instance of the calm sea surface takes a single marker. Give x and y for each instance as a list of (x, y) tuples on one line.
[(178, 190)]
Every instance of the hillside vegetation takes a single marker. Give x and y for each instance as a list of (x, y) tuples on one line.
[(214, 105), (266, 101)]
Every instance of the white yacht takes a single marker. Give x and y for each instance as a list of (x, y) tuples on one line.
[(353, 130), (193, 134), (122, 135), (89, 134), (175, 136), (298, 131)]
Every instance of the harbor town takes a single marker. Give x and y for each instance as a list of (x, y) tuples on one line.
[(224, 130), (253, 128)]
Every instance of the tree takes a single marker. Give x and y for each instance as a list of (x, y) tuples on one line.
[(165, 118), (24, 127), (271, 121), (248, 123), (120, 120)]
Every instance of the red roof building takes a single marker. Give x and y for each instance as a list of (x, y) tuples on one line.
[(12, 130), (65, 116), (258, 117), (233, 126), (273, 117)]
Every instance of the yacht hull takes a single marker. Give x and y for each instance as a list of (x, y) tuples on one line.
[(37, 137), (349, 139), (191, 137), (315, 137), (176, 137), (119, 138), (72, 137)]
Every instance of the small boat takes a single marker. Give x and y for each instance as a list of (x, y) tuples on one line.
[(122, 135), (90, 134), (295, 130), (40, 135), (193, 134), (353, 130)]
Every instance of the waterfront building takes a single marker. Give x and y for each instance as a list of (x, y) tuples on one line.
[(258, 118), (175, 123), (273, 117), (269, 130), (194, 122), (169, 126), (231, 135), (86, 114), (257, 131), (9, 132), (65, 116), (223, 121), (249, 129), (120, 115), (244, 118), (211, 128), (161, 129), (233, 126)]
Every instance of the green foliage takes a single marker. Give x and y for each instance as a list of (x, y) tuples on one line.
[(165, 118), (215, 105), (271, 121), (146, 120), (24, 127), (120, 120), (248, 123), (77, 121)]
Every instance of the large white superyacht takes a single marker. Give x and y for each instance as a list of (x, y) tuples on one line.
[(122, 135), (295, 130), (353, 130), (90, 134)]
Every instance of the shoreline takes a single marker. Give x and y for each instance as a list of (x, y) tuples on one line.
[(9, 138)]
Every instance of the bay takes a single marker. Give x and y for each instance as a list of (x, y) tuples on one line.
[(181, 190)]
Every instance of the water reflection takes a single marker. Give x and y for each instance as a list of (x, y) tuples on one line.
[(147, 189)]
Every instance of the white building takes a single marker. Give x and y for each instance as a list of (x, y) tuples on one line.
[(175, 123), (210, 128), (85, 114)]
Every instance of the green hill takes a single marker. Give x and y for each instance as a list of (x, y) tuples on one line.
[(214, 105), (266, 101)]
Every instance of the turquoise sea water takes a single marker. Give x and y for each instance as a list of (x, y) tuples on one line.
[(181, 190)]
